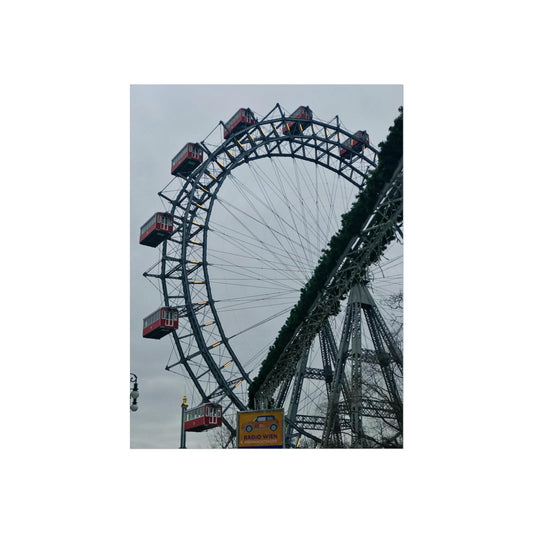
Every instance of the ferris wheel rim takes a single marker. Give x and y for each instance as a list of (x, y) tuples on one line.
[(322, 155)]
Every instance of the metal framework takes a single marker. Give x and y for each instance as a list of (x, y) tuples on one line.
[(354, 394), (350, 268), (346, 404), (202, 347)]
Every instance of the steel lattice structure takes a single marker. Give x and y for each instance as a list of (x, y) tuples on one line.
[(187, 268), (292, 364)]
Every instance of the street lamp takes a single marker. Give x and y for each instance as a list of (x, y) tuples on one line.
[(184, 406), (134, 392)]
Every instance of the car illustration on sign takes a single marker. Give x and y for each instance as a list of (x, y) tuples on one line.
[(261, 422)]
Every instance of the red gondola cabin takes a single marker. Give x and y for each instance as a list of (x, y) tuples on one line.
[(187, 159), (204, 417), (160, 323), (356, 143), (304, 116), (239, 121), (155, 230)]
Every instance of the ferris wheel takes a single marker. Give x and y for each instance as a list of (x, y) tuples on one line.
[(245, 220)]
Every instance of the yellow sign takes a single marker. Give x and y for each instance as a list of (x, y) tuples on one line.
[(260, 429)]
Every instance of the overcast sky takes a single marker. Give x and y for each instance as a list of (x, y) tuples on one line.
[(163, 119)]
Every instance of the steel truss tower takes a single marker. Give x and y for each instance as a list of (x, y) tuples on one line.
[(366, 383), (363, 384)]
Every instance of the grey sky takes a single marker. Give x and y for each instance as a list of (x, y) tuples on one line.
[(163, 119)]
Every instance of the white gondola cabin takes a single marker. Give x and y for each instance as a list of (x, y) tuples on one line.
[(204, 417), (239, 121), (354, 144), (187, 159), (156, 229), (160, 323), (301, 117)]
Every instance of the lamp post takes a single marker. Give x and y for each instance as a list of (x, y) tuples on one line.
[(134, 392), (183, 409)]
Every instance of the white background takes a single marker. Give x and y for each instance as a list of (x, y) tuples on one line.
[(65, 137)]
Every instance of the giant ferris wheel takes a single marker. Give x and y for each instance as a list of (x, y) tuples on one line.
[(246, 218)]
